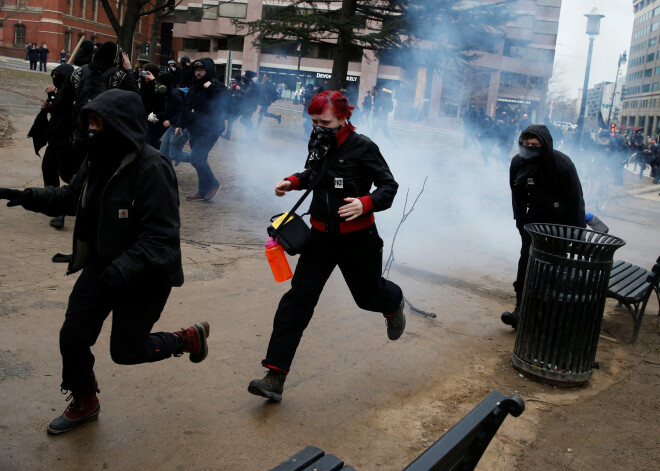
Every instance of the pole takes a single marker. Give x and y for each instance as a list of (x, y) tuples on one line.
[(616, 80), (75, 51), (585, 89)]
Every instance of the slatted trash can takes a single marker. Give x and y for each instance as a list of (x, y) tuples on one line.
[(563, 301)]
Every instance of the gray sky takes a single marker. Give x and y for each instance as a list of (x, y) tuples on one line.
[(573, 43)]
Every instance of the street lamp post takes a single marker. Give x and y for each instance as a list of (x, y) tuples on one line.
[(622, 60), (593, 28)]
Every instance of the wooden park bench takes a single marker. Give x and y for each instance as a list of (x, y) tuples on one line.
[(460, 448), (632, 287)]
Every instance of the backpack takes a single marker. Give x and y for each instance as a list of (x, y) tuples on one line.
[(93, 84)]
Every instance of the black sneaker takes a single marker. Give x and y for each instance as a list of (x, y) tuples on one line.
[(271, 386), (396, 323), (57, 222), (511, 318)]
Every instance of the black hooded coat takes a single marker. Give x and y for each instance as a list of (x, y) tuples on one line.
[(547, 190), (137, 203), (57, 130), (206, 109)]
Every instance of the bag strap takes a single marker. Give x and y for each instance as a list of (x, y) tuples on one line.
[(313, 185)]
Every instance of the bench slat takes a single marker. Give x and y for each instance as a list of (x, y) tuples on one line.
[(621, 275), (327, 463), (631, 285), (634, 278), (639, 293), (300, 460), (618, 267)]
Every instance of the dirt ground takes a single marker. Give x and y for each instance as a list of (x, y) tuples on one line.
[(376, 404)]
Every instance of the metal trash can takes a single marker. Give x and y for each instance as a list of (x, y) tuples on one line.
[(563, 301)]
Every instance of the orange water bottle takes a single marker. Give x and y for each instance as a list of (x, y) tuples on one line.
[(277, 260)]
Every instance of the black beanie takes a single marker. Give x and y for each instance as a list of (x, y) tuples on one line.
[(153, 68), (105, 56), (166, 79)]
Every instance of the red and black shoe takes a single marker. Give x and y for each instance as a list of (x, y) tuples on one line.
[(82, 408), (194, 341)]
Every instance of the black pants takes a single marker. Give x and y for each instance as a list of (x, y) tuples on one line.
[(519, 284), (60, 161), (135, 308), (359, 256), (263, 111)]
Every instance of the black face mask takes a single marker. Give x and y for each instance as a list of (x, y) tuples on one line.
[(58, 80), (530, 153), (322, 140)]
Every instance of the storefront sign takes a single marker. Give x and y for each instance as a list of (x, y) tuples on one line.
[(515, 101), (349, 78)]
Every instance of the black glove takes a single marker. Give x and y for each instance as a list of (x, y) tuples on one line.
[(112, 277), (15, 197)]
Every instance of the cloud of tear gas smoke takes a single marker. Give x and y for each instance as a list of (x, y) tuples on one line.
[(462, 221)]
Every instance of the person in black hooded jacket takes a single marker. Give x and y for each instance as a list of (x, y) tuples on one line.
[(545, 188), (203, 116), (126, 242), (59, 162)]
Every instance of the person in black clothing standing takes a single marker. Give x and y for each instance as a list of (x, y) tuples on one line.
[(127, 244), (33, 56), (60, 161), (204, 117), (43, 58), (186, 69), (153, 99), (545, 188), (170, 118), (343, 233)]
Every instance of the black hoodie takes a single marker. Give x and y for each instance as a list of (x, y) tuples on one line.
[(548, 190), (138, 211), (59, 125), (206, 109)]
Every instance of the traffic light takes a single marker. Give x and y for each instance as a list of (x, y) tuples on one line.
[(624, 92), (613, 128)]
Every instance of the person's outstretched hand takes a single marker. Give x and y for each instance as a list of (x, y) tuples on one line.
[(15, 197)]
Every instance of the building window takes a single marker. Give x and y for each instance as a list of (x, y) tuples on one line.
[(196, 45), (19, 35), (549, 3), (232, 10), (653, 42), (655, 87), (546, 27), (646, 88), (654, 26), (67, 42), (657, 70), (648, 72), (650, 57)]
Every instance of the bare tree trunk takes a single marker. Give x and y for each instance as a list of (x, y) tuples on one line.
[(343, 51)]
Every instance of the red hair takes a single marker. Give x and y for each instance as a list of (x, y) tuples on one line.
[(335, 100)]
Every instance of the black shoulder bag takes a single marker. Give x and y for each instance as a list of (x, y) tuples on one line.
[(291, 230)]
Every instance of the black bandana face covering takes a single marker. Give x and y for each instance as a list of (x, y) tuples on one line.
[(320, 142), (530, 153)]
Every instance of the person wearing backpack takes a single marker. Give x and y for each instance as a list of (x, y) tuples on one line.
[(110, 68), (268, 96), (204, 115)]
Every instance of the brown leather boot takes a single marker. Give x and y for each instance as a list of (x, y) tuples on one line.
[(271, 386), (82, 408)]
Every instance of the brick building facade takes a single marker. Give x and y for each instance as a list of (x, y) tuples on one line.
[(61, 24)]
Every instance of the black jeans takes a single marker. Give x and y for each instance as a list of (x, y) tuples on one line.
[(135, 307), (519, 284), (360, 257)]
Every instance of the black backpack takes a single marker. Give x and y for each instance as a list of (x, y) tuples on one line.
[(93, 84)]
